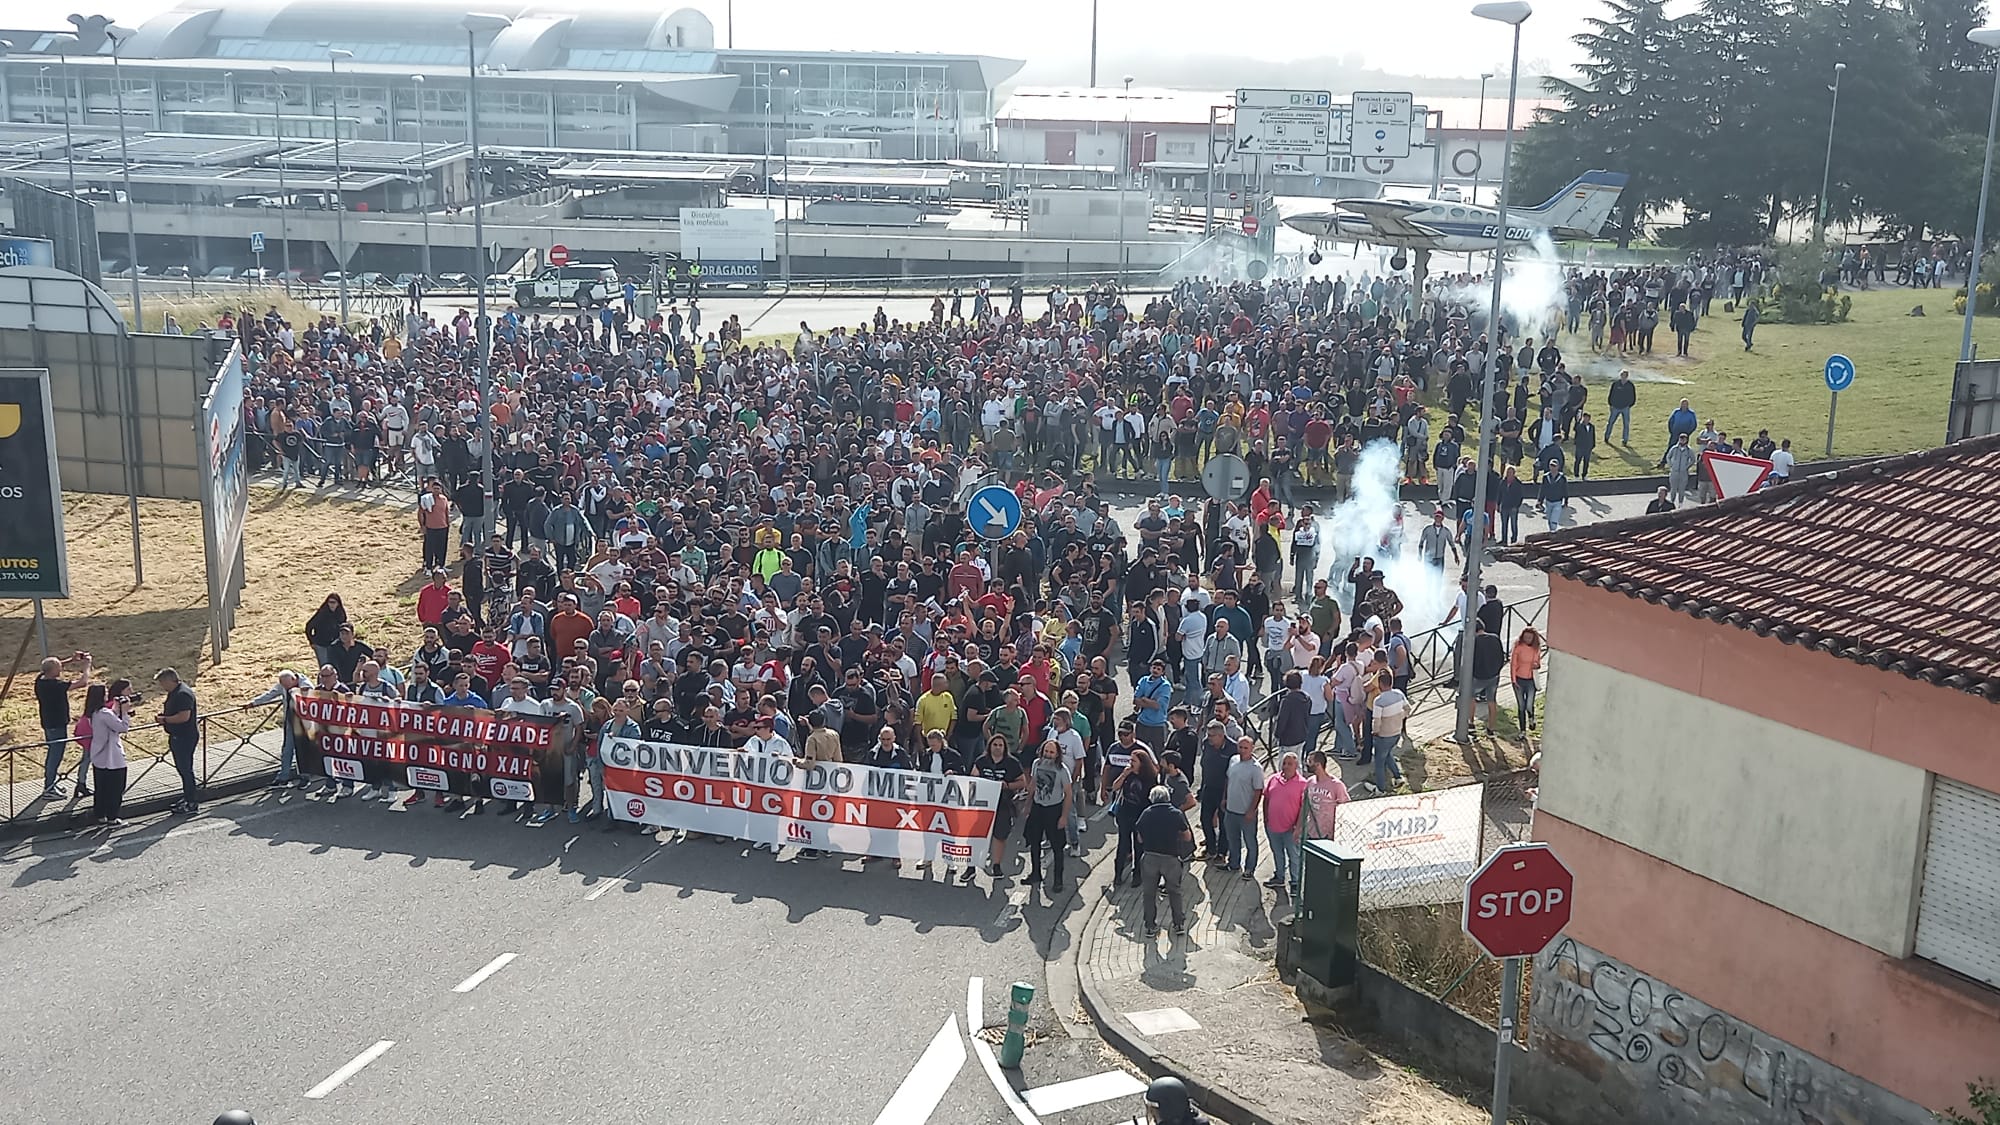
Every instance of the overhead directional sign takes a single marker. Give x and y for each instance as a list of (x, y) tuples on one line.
[(1283, 122), (1380, 125), (994, 512)]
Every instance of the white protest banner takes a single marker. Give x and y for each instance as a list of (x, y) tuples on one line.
[(1414, 848), (826, 806)]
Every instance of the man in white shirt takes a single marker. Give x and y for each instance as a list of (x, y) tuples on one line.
[(1193, 635), (1781, 463), (1277, 639), (1390, 709)]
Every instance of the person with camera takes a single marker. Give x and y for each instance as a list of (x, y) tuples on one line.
[(177, 718), (109, 707), (52, 700)]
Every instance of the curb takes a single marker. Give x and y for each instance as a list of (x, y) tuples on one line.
[(1137, 1049), (27, 829)]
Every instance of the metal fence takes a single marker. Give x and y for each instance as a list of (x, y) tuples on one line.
[(238, 745), (1434, 653)]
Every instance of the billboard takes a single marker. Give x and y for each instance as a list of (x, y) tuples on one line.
[(32, 560), (1415, 848), (731, 243), (825, 806), (26, 252), (225, 495), (67, 223), (469, 751)]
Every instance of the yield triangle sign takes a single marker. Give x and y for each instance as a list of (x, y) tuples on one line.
[(1734, 474)]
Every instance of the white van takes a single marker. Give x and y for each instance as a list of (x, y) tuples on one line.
[(583, 284)]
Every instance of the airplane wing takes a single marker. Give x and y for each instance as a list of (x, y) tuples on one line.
[(1390, 217)]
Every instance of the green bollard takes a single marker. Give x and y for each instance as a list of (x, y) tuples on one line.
[(1015, 1043)]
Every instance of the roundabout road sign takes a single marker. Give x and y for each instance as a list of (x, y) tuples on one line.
[(994, 512), (1839, 373)]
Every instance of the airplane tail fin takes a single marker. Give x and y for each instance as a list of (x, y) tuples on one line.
[(1580, 210)]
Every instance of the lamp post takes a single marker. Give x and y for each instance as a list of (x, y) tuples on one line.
[(284, 188), (1093, 44), (1826, 175), (474, 23), (1988, 37), (1515, 13), (424, 171), (1125, 171), (340, 251), (785, 173), (1478, 168), (125, 167)]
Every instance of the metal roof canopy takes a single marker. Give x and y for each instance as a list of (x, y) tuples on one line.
[(250, 180), (650, 170), (198, 148), (381, 155), (835, 176)]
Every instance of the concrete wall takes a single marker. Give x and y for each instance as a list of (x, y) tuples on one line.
[(1817, 828)]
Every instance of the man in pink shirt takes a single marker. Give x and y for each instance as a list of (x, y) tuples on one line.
[(1284, 798)]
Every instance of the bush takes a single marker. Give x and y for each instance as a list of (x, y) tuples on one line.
[(1984, 1103)]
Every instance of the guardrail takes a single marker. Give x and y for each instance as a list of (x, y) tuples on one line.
[(238, 745)]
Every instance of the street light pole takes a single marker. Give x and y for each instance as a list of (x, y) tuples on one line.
[(474, 23), (1988, 37), (1093, 44), (1124, 180), (785, 166), (1514, 12), (118, 36), (340, 251), (284, 189), (1826, 175), (1479, 167), (424, 169)]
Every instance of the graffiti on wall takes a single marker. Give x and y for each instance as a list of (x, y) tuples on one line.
[(1670, 1051)]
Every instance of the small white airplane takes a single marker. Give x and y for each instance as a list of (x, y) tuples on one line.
[(1576, 212)]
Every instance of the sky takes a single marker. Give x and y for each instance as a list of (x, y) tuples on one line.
[(1430, 38)]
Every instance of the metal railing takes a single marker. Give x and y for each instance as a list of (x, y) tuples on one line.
[(235, 744), (1434, 653)]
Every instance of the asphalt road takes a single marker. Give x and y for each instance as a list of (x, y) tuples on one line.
[(252, 956)]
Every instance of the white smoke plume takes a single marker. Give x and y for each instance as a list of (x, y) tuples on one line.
[(1373, 521), (1532, 295)]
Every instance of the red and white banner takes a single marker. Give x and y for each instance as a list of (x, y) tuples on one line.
[(825, 806)]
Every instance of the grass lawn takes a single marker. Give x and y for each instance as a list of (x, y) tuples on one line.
[(1903, 367)]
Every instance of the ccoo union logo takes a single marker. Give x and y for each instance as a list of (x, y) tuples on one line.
[(955, 850)]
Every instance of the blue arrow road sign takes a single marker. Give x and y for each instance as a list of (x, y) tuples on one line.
[(1839, 373), (994, 512)]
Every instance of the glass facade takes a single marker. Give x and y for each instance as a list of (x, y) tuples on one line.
[(402, 54)]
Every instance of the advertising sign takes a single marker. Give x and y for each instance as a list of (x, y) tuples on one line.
[(32, 559), (824, 806), (731, 243), (27, 252), (469, 751), (1414, 848), (225, 498)]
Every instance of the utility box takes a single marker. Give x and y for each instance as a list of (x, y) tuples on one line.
[(1327, 924)]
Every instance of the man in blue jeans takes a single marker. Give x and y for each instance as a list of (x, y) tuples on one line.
[(52, 700), (1389, 711), (288, 750), (1245, 790), (177, 717)]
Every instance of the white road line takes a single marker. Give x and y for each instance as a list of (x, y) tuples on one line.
[(1061, 1096), (618, 880), (991, 1065), (924, 1087), (353, 1067), (479, 978), (975, 1005), (1016, 898)]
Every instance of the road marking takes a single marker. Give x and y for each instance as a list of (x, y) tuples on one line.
[(479, 978), (1016, 899), (975, 1005), (924, 1087), (991, 1065), (619, 879), (353, 1067), (1069, 1095)]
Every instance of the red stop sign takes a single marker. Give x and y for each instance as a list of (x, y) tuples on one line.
[(1250, 224), (558, 255), (1518, 901)]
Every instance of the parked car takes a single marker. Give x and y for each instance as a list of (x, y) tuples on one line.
[(333, 277), (583, 284), (496, 283), (256, 274), (220, 273), (296, 277), (373, 280), (451, 279), (176, 273), (254, 201)]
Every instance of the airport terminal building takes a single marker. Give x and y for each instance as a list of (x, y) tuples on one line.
[(555, 78)]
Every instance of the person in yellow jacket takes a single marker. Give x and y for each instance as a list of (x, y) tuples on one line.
[(936, 709)]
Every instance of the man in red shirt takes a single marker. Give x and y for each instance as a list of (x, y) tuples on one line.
[(489, 655), (432, 598), (966, 579)]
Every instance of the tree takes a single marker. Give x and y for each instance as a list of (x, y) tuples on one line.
[(1736, 50), (1627, 114)]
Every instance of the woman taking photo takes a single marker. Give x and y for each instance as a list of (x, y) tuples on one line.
[(1526, 660), (110, 710)]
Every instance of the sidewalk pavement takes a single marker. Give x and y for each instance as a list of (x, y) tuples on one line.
[(1210, 1009), (236, 760)]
